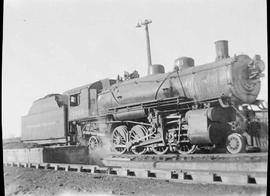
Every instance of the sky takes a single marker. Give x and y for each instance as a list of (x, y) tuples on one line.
[(50, 46)]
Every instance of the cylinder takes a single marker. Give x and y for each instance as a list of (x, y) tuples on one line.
[(222, 49), (157, 69), (184, 62), (197, 126), (203, 131), (219, 114)]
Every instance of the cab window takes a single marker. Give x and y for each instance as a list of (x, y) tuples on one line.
[(74, 100)]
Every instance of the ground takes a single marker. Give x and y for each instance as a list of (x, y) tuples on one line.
[(29, 181)]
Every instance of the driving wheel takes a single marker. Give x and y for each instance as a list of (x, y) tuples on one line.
[(119, 139)]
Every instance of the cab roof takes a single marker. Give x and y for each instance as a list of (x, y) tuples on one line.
[(100, 84)]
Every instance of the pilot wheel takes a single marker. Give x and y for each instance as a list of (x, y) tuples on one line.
[(235, 143)]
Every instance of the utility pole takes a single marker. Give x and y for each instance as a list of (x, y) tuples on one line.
[(145, 23)]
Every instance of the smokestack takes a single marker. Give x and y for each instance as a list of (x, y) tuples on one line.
[(222, 49)]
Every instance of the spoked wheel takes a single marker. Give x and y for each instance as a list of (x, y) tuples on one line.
[(119, 139), (137, 135), (186, 148), (160, 149), (235, 143), (93, 143)]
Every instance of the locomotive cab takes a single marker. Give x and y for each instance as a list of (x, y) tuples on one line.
[(82, 107), (82, 101)]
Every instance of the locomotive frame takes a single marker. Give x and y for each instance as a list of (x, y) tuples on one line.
[(178, 111)]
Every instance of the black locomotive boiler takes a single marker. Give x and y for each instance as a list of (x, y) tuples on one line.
[(188, 108)]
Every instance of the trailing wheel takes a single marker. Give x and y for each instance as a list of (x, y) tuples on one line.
[(119, 139), (93, 143), (137, 135), (235, 143)]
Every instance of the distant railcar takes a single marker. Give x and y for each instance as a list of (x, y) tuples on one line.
[(189, 108)]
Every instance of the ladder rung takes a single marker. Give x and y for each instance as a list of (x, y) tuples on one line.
[(173, 121), (184, 141), (183, 134), (169, 117)]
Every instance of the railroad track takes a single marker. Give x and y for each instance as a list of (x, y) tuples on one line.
[(198, 157), (242, 178)]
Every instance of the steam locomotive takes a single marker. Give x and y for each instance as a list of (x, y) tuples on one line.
[(189, 108)]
